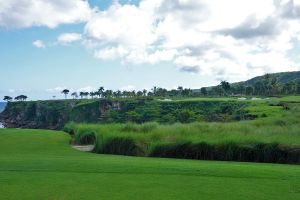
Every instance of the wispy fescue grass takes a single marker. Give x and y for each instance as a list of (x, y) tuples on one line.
[(278, 126)]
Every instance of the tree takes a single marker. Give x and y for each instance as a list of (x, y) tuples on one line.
[(239, 89), (139, 93), (24, 97), (298, 86), (225, 86), (74, 95), (180, 89), (218, 90), (249, 90), (203, 91), (65, 92), (107, 94), (21, 98), (186, 92), (7, 98), (81, 94), (290, 88), (86, 94), (100, 91), (154, 90), (92, 94), (144, 92), (259, 88)]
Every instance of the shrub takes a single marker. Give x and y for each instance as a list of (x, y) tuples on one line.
[(186, 116)]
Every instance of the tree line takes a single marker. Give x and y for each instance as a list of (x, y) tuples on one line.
[(267, 86), (154, 92), (17, 98)]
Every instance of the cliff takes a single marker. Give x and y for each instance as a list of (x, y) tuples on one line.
[(55, 114)]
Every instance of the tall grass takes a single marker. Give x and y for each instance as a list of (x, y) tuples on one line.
[(268, 139)]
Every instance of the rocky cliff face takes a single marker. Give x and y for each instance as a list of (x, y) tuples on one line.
[(55, 114), (38, 114)]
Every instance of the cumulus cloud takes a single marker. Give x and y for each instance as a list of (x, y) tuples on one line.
[(39, 44), (67, 38), (28, 13), (230, 39)]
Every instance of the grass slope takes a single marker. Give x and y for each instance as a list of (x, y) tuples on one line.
[(37, 164)]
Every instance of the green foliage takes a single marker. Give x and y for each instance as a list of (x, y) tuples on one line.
[(269, 139), (186, 116), (55, 114)]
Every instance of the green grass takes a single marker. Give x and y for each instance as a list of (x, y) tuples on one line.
[(38, 164), (277, 122)]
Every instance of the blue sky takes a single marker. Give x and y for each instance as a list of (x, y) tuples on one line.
[(133, 45)]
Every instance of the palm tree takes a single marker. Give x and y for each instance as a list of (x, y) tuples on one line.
[(101, 91), (86, 94), (81, 94), (92, 94), (74, 95), (154, 90), (180, 89), (65, 92), (144, 92), (7, 98)]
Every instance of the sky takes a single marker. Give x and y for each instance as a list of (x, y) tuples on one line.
[(49, 45)]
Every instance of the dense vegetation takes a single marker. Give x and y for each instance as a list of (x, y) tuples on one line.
[(55, 114), (273, 137), (40, 164)]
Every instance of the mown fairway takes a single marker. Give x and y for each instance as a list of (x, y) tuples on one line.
[(37, 164)]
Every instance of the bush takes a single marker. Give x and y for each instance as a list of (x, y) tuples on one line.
[(186, 116)]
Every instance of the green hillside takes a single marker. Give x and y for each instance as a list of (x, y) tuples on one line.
[(282, 77)]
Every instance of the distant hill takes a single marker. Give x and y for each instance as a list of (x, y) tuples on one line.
[(2, 106), (282, 77)]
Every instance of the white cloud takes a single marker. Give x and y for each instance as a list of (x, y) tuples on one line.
[(87, 89), (67, 38), (57, 89), (230, 39), (28, 13), (128, 88), (39, 44)]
